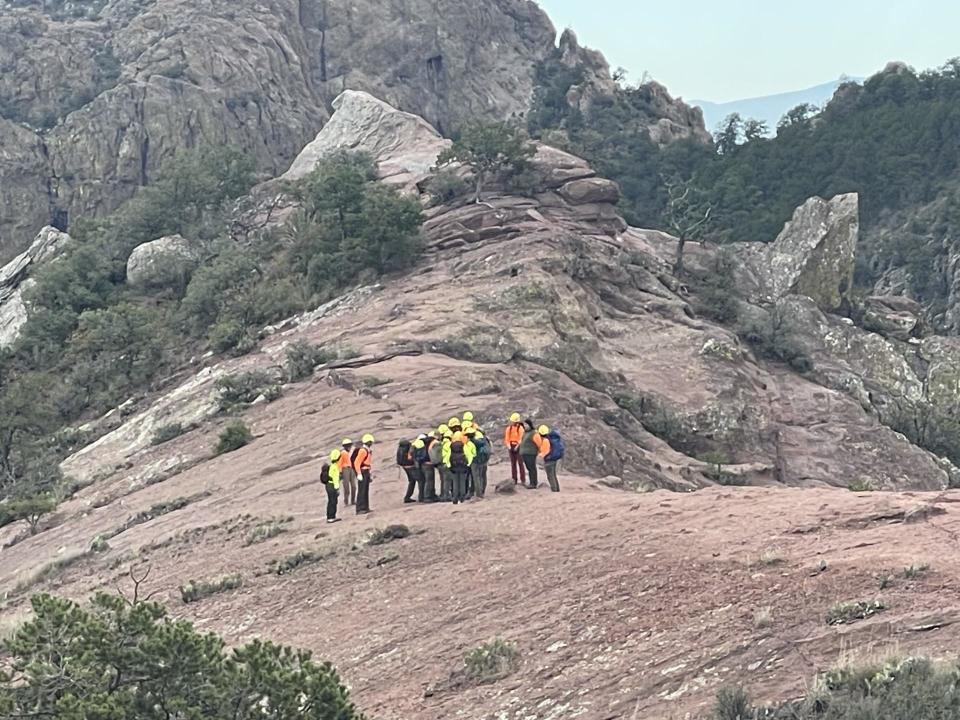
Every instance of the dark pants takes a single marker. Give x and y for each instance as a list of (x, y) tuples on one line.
[(531, 462), (429, 482), (460, 483), (414, 477), (348, 481), (363, 492), (479, 479), (446, 481), (516, 467), (551, 468), (332, 497), (470, 482)]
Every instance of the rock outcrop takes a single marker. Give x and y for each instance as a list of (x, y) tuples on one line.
[(894, 316), (95, 106), (813, 256), (583, 319), (404, 146), (162, 262), (14, 280)]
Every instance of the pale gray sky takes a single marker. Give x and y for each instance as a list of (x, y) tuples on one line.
[(720, 51)]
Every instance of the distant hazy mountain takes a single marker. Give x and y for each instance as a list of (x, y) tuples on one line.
[(770, 108)]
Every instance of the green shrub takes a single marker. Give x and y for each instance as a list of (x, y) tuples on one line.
[(860, 485), (848, 612), (123, 659), (733, 703), (99, 544), (243, 388), (31, 510), (199, 589), (491, 662), (389, 534), (288, 564), (264, 531), (912, 572), (302, 358), (235, 436), (447, 186), (166, 433)]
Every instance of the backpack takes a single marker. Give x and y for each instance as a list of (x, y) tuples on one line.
[(325, 474), (483, 450), (458, 458), (404, 456), (421, 455), (557, 448)]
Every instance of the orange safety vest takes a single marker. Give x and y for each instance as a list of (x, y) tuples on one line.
[(513, 434), (364, 461), (344, 462)]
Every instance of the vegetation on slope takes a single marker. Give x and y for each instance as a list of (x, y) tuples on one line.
[(92, 341), (895, 140), (127, 659)]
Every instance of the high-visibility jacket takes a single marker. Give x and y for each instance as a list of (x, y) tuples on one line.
[(344, 462), (544, 445), (364, 461), (469, 451), (333, 476), (513, 434)]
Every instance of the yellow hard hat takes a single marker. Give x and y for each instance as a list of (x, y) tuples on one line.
[(454, 422), (515, 418), (443, 430), (543, 429), (418, 444), (469, 430), (334, 455), (347, 441), (368, 438), (448, 435), (479, 434), (468, 416), (467, 424)]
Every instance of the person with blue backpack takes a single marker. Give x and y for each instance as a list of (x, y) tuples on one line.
[(552, 451)]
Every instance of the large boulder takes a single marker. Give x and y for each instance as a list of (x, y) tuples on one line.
[(813, 256), (404, 146), (162, 262), (893, 316)]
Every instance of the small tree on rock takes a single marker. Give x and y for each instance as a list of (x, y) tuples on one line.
[(687, 215), (490, 149)]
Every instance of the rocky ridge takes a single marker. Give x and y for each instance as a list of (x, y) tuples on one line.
[(96, 96), (584, 314)]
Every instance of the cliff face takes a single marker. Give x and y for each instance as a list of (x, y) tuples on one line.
[(96, 95)]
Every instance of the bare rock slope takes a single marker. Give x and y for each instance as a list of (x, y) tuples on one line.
[(622, 604)]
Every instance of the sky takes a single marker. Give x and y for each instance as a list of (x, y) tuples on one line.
[(723, 51)]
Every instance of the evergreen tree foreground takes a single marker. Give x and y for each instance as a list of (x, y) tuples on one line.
[(119, 659)]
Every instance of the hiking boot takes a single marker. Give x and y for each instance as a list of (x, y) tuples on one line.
[(334, 520), (407, 502)]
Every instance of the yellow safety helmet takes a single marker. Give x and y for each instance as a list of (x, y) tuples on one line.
[(467, 424), (468, 416), (418, 444), (469, 430), (443, 430), (479, 434), (367, 439), (453, 422), (347, 441), (543, 429), (515, 418), (334, 455)]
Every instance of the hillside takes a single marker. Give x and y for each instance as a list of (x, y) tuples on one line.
[(770, 108), (95, 96), (583, 326)]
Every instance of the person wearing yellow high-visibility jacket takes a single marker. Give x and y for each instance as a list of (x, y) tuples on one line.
[(331, 481), (458, 455)]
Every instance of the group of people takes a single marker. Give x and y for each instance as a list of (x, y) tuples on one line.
[(456, 454)]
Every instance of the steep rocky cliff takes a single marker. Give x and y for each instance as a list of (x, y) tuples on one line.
[(95, 96)]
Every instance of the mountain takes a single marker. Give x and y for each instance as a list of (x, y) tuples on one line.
[(544, 301), (771, 108), (96, 96)]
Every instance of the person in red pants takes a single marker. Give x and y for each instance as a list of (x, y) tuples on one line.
[(511, 438)]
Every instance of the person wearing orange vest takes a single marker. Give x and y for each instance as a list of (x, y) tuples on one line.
[(348, 478), (512, 437), (550, 466), (363, 467)]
